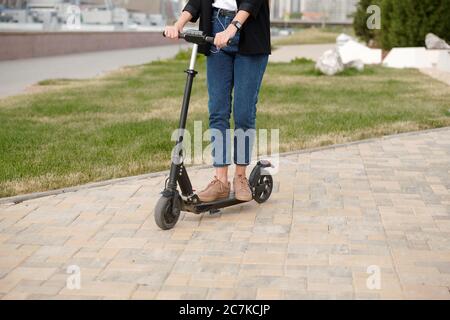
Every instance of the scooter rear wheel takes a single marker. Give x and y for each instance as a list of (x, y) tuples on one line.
[(167, 212), (263, 189)]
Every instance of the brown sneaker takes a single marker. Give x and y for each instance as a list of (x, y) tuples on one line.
[(215, 190), (242, 190)]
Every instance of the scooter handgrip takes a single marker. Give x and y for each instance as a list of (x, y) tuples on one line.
[(209, 40)]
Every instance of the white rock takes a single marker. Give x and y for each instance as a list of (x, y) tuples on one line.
[(343, 39), (330, 63), (353, 50), (357, 64), (443, 61), (432, 41), (411, 58)]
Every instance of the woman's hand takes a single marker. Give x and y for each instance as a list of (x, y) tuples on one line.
[(172, 32), (221, 39)]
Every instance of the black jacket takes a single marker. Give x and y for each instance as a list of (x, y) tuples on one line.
[(255, 33)]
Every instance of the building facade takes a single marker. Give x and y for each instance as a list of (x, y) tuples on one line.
[(313, 10), (146, 6), (306, 10), (14, 4)]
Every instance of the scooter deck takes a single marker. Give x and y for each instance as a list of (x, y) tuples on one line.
[(208, 206)]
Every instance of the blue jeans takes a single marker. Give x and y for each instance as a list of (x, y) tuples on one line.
[(228, 70)]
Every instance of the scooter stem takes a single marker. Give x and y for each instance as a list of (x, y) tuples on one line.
[(177, 171), (193, 57)]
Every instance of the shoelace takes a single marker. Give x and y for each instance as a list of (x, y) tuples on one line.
[(243, 183), (212, 183)]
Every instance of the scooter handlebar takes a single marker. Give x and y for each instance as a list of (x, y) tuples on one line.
[(195, 36)]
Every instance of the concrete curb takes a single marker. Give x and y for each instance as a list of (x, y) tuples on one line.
[(31, 196)]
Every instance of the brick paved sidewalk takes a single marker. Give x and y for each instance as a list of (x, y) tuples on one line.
[(334, 213)]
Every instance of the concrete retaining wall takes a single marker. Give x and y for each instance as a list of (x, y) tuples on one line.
[(22, 45)]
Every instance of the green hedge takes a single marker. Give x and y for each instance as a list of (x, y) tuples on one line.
[(404, 23)]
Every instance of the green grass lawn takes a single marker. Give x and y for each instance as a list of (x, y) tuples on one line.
[(313, 36), (72, 132)]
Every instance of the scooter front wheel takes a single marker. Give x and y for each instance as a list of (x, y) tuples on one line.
[(167, 212), (263, 188)]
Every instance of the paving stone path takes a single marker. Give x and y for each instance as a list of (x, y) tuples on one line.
[(359, 221)]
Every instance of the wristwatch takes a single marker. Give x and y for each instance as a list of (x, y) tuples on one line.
[(237, 24)]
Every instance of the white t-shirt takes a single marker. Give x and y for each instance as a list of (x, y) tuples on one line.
[(230, 5)]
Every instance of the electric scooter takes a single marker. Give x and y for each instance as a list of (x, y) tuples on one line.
[(171, 203)]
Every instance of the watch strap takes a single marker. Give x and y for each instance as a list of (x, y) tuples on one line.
[(237, 24)]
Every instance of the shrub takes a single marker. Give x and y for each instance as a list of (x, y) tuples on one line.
[(404, 23), (360, 21)]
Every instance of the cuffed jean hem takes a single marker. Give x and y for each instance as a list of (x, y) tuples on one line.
[(242, 164)]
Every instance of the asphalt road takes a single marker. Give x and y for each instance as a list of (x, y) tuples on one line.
[(17, 75)]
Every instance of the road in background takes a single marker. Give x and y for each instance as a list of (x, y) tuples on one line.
[(17, 75), (308, 51)]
